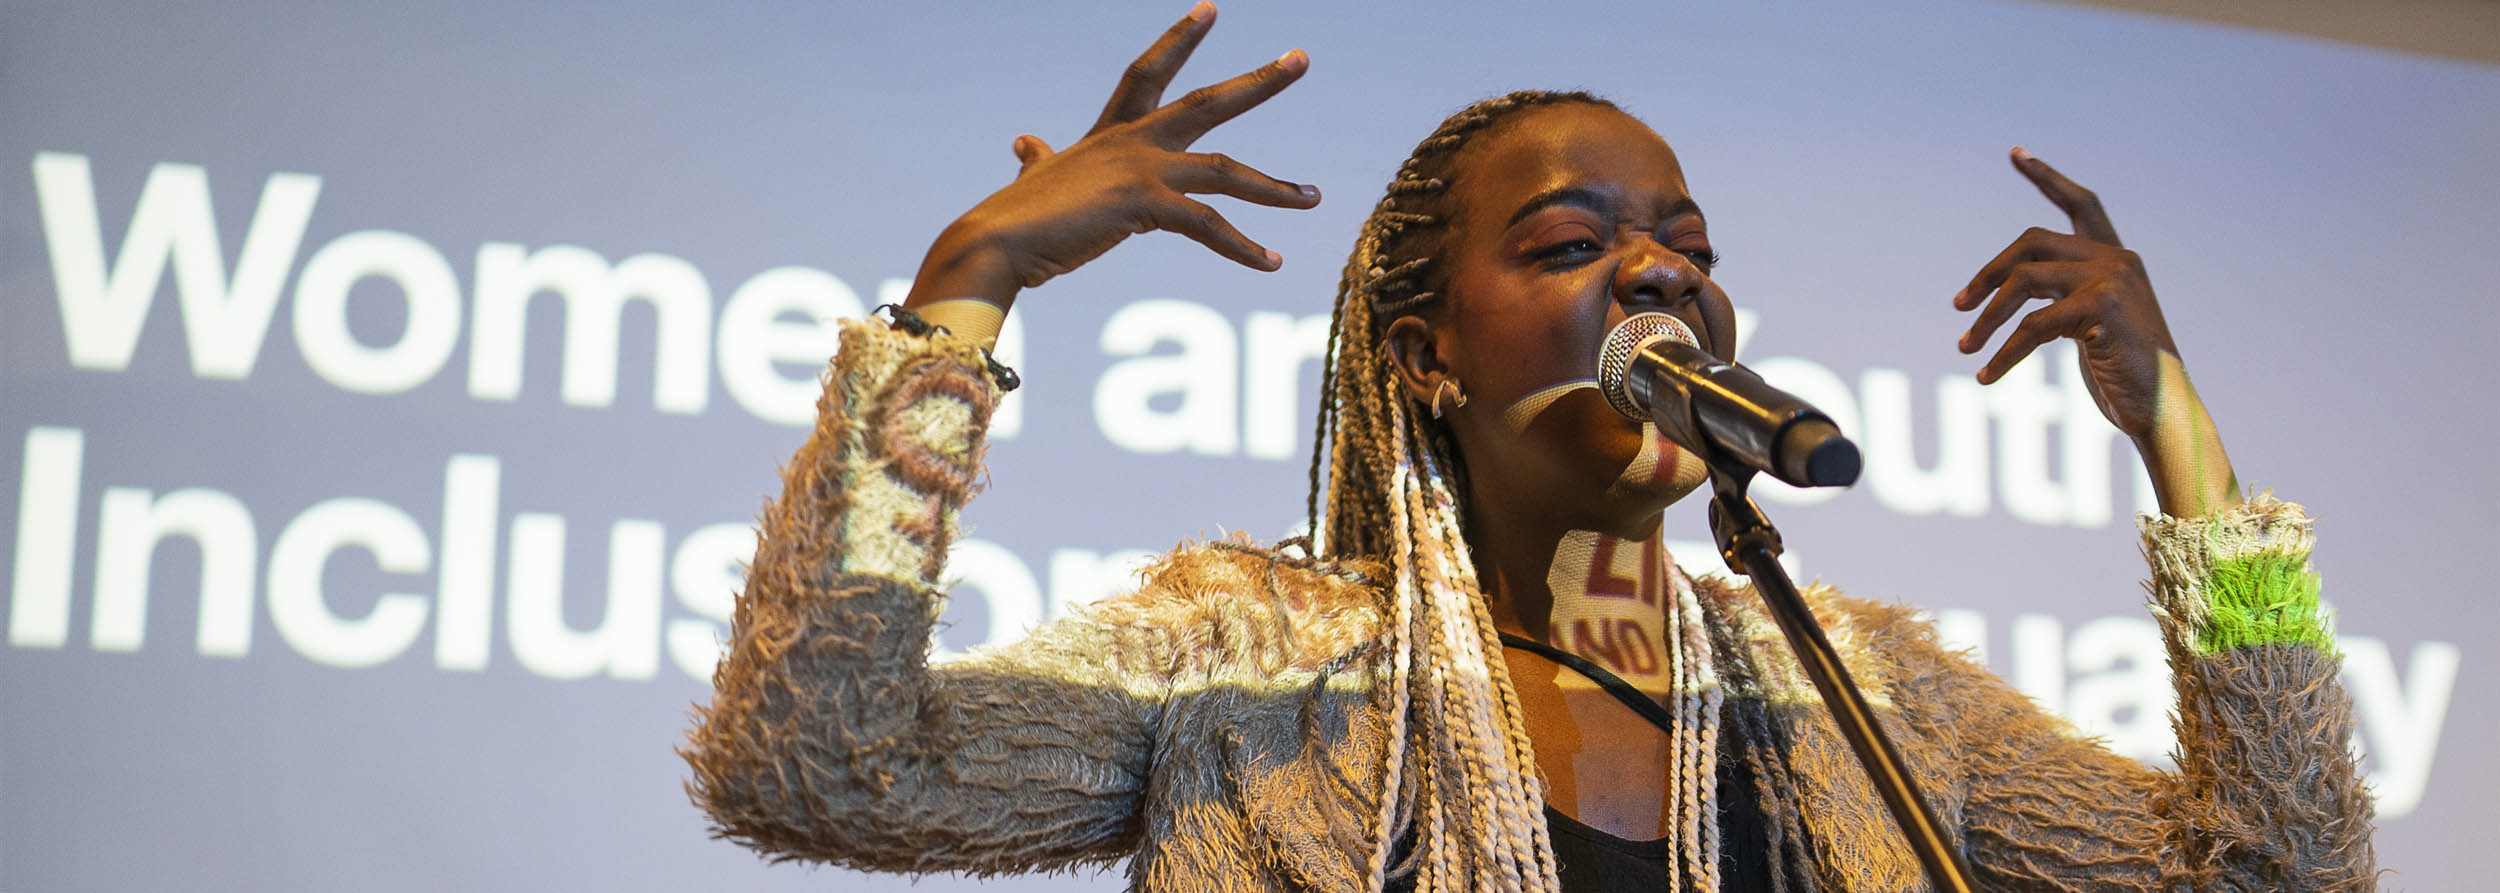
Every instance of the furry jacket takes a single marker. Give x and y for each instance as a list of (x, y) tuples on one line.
[(1221, 728)]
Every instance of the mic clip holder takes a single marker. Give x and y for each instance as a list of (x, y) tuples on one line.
[(1750, 545)]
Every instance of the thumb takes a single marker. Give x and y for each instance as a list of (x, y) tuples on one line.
[(1030, 149)]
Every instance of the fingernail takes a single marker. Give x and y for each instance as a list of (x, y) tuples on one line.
[(2022, 154), (1959, 295), (1275, 260), (1294, 60), (1202, 12), (1309, 191)]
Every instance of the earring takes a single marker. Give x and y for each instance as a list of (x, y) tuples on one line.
[(1445, 385)]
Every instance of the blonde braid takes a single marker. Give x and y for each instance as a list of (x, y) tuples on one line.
[(1402, 662), (1684, 684), (1461, 774), (1700, 729), (1515, 732), (1479, 759), (1461, 706), (1458, 646)]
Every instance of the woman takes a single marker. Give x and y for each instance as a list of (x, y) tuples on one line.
[(1397, 703)]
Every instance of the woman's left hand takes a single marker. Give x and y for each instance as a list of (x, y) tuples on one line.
[(2099, 295)]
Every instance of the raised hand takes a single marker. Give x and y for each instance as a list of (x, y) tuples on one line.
[(2099, 295), (1130, 174)]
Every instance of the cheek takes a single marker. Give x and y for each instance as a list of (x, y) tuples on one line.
[(1524, 354), (1599, 447), (1531, 350)]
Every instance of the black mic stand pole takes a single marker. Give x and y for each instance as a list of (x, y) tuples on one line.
[(1749, 543)]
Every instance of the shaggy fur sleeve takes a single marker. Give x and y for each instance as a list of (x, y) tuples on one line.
[(830, 737), (2266, 796)]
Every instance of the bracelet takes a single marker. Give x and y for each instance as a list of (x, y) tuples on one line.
[(911, 323)]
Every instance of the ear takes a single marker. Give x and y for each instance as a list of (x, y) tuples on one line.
[(1415, 356)]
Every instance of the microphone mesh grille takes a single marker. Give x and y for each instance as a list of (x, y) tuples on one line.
[(1614, 357)]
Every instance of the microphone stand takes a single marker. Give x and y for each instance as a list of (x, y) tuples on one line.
[(1748, 542)]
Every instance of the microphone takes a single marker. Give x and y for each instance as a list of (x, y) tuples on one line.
[(1651, 369)]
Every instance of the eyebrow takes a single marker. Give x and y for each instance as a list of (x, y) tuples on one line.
[(1592, 200)]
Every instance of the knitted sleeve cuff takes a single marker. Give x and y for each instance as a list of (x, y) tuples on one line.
[(2236, 579), (912, 411)]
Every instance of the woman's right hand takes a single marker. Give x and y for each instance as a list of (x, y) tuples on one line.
[(1131, 173)]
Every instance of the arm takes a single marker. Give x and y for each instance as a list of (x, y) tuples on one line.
[(829, 736), (2099, 295), (2267, 795)]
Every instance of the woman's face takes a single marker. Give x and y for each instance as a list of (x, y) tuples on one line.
[(1567, 219)]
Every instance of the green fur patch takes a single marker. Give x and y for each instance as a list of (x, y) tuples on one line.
[(2265, 598)]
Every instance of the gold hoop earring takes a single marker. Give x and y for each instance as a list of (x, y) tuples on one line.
[(1445, 385)]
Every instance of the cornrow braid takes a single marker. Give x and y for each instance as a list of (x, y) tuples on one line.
[(1460, 779)]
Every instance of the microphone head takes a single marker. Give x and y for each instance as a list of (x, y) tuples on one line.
[(1614, 356)]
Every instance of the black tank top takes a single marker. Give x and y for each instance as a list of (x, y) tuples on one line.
[(1588, 860), (1592, 861)]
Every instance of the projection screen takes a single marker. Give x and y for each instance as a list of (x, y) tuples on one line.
[(387, 391)]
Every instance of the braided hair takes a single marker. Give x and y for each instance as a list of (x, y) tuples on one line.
[(1458, 750)]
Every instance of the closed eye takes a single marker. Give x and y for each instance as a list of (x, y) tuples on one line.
[(1569, 249)]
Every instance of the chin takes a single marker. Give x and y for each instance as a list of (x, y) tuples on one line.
[(1660, 474)]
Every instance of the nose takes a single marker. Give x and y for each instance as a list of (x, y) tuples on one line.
[(1656, 278)]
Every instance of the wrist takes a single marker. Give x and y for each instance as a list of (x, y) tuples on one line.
[(966, 261), (974, 318), (2183, 453), (2189, 483)]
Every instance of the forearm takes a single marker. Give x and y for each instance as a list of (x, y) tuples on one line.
[(828, 734), (2269, 795), (2192, 476), (969, 259), (966, 283), (2266, 796)]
